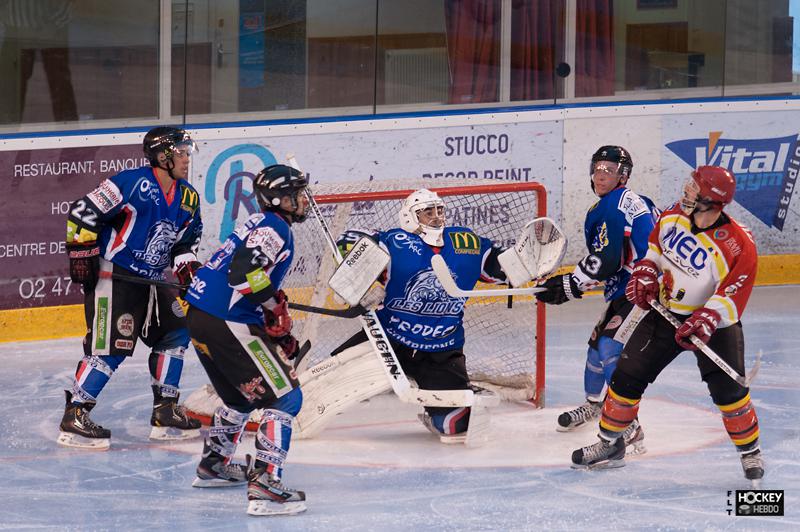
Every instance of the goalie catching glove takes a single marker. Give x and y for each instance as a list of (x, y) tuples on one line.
[(560, 289), (538, 252)]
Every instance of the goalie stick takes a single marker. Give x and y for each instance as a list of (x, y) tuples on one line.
[(350, 312), (380, 343), (449, 284), (714, 357)]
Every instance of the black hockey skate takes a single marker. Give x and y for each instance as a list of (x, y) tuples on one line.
[(77, 430), (572, 419), (633, 437), (267, 496), (170, 420), (601, 455), (753, 467), (214, 472)]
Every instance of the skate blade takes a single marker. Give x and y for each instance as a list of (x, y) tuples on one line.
[(755, 483), (215, 482), (67, 439), (607, 464), (452, 439), (263, 507), (173, 433)]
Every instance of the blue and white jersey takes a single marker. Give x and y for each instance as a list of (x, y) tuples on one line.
[(617, 228), (138, 225), (245, 271), (417, 311)]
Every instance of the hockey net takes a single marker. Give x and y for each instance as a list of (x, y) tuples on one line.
[(504, 345)]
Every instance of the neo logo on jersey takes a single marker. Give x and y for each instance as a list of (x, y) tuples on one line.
[(766, 170)]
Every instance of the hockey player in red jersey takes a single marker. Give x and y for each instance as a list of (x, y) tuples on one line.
[(701, 265)]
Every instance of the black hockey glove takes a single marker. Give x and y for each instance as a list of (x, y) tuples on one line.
[(289, 345), (84, 264), (185, 273), (560, 289)]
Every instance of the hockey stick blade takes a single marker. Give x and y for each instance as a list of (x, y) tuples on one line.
[(713, 356), (449, 284), (302, 352)]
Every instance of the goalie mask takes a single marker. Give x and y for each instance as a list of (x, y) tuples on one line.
[(276, 182), (710, 187), (422, 213), (172, 142), (610, 168)]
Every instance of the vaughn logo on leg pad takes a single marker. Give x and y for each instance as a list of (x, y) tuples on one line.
[(756, 502)]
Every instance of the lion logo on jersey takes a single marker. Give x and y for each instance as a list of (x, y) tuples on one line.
[(160, 240), (424, 295)]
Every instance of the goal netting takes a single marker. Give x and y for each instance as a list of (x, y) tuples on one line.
[(504, 345)]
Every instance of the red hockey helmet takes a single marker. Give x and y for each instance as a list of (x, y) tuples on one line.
[(712, 185)]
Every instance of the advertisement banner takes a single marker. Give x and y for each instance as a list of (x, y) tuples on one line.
[(520, 152), (761, 149), (36, 189)]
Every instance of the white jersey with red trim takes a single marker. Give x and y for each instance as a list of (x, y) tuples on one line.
[(713, 268)]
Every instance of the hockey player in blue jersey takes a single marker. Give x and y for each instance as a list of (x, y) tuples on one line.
[(422, 322), (616, 230), (136, 224), (241, 329)]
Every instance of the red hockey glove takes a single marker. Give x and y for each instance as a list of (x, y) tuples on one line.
[(643, 284), (185, 273), (84, 264), (702, 323), (279, 322)]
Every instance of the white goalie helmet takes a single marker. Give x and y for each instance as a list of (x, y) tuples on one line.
[(409, 216)]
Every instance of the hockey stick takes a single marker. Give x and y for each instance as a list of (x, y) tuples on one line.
[(380, 343), (702, 346), (449, 284), (351, 312)]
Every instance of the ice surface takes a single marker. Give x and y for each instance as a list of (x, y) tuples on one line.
[(378, 468)]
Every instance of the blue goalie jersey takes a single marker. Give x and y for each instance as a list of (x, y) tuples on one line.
[(138, 225), (417, 311), (617, 228), (245, 271)]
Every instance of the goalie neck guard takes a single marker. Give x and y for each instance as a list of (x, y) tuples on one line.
[(410, 211)]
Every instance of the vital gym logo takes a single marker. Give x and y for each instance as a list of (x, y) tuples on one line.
[(766, 170), (762, 503)]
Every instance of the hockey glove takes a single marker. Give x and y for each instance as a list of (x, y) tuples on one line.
[(642, 287), (279, 322), (702, 323), (185, 273), (289, 345), (84, 264), (560, 289)]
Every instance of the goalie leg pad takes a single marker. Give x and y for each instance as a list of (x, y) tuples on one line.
[(337, 383)]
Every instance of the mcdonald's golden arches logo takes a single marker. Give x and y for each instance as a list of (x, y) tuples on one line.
[(465, 242)]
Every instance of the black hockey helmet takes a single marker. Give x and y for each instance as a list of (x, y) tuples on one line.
[(166, 139), (276, 181), (615, 154)]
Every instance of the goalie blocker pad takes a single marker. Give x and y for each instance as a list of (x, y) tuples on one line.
[(365, 262), (538, 252)]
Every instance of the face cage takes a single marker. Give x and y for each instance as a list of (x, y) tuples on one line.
[(435, 205), (691, 199)]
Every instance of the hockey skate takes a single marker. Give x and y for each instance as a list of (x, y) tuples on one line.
[(267, 496), (426, 420), (77, 430), (753, 467), (169, 419), (214, 472), (633, 437), (572, 419), (601, 455)]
